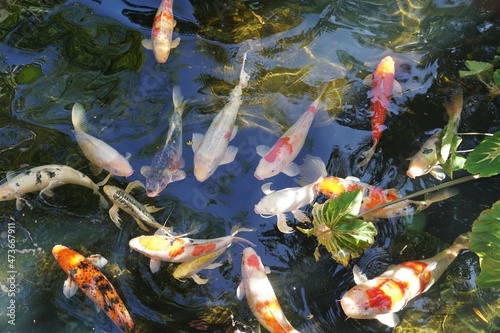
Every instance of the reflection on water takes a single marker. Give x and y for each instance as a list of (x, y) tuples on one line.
[(52, 56)]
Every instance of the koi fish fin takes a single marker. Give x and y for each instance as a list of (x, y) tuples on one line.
[(147, 44), (397, 91), (69, 287), (152, 209), (46, 191), (300, 216), (78, 117), (353, 179), (282, 225), (266, 188), (359, 277), (145, 170), (132, 185), (214, 265), (105, 180), (291, 170), (178, 175), (433, 197), (312, 169), (175, 43), (236, 229), (197, 140), (229, 156), (178, 99), (437, 172), (154, 265), (367, 81), (454, 106), (97, 260), (20, 202), (198, 279), (262, 150), (368, 155), (233, 133), (95, 169), (113, 214), (267, 270), (432, 266), (389, 319), (141, 224), (240, 291), (244, 77)]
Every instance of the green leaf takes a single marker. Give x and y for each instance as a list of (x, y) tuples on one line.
[(338, 231), (454, 162), (28, 74), (475, 68), (485, 242), (485, 158), (496, 77)]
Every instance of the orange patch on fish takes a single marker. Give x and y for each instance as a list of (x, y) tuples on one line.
[(282, 143), (177, 248), (419, 267), (387, 293), (253, 261), (267, 309), (331, 187), (199, 250)]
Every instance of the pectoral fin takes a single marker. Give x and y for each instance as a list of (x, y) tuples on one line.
[(266, 188), (141, 224), (113, 214), (396, 89), (214, 265), (69, 287), (154, 265), (389, 319), (291, 170), (152, 209), (233, 133), (98, 260), (240, 291), (198, 279), (175, 43), (300, 216), (359, 277), (95, 169), (197, 140), (178, 175), (262, 150), (147, 44), (437, 172), (282, 226), (229, 156), (133, 185), (145, 170)]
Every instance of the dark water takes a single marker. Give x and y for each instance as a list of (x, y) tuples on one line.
[(56, 53)]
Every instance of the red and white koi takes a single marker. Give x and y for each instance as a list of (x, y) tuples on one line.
[(167, 162), (167, 248), (260, 295), (382, 87), (211, 150), (99, 153), (279, 158), (161, 34), (44, 178), (84, 273), (381, 297)]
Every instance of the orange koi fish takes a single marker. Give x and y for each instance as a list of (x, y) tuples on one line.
[(160, 247), (161, 34), (381, 297), (260, 294), (84, 273), (382, 85)]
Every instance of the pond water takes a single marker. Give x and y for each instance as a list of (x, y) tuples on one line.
[(56, 53)]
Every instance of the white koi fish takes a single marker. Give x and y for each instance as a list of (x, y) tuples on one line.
[(381, 297), (189, 269), (160, 247), (260, 294), (44, 178), (280, 157), (99, 153), (211, 150), (161, 34), (167, 162), (122, 199)]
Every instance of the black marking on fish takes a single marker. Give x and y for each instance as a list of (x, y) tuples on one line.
[(38, 179), (428, 151), (27, 172), (17, 184), (51, 174)]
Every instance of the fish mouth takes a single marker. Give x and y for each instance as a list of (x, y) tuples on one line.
[(257, 176)]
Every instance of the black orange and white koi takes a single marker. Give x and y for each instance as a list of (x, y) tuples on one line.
[(161, 34), (257, 289), (167, 162), (99, 153), (212, 149), (84, 273), (44, 178), (381, 297)]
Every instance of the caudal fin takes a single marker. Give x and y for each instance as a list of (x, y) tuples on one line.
[(178, 99), (78, 117), (312, 169), (244, 76)]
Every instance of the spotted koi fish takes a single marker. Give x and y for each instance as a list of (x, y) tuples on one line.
[(44, 178), (211, 150), (84, 273), (160, 247), (161, 34), (279, 158), (382, 87), (260, 294), (381, 297), (99, 153)]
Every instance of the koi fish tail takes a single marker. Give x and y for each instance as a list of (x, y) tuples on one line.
[(368, 155), (236, 228), (454, 106), (463, 239), (312, 169), (441, 195), (244, 76), (78, 117), (179, 102), (243, 241)]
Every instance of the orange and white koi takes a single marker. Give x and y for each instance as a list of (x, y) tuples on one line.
[(381, 297), (382, 86), (211, 150), (260, 295), (279, 158), (84, 273), (99, 153), (426, 160), (44, 178), (161, 34), (166, 248), (167, 162)]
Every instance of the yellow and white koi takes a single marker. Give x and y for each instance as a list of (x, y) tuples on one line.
[(44, 178), (260, 294), (161, 34), (84, 273), (189, 269), (211, 150), (381, 297), (124, 200), (99, 153)]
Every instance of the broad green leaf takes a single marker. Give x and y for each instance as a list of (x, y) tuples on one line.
[(485, 158), (475, 68), (28, 74), (496, 77), (485, 242)]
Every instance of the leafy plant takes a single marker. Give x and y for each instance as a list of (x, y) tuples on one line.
[(483, 70), (485, 158)]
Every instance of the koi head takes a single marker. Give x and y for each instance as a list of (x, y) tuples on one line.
[(267, 169), (155, 184), (265, 208), (110, 190), (161, 52), (250, 262), (119, 166), (386, 66), (203, 168)]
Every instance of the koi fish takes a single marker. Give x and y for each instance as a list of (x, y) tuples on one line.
[(99, 153), (189, 269), (161, 34), (260, 294), (160, 247), (167, 162), (44, 178), (381, 297), (122, 199), (426, 160), (211, 150), (279, 158), (84, 273), (382, 87)]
